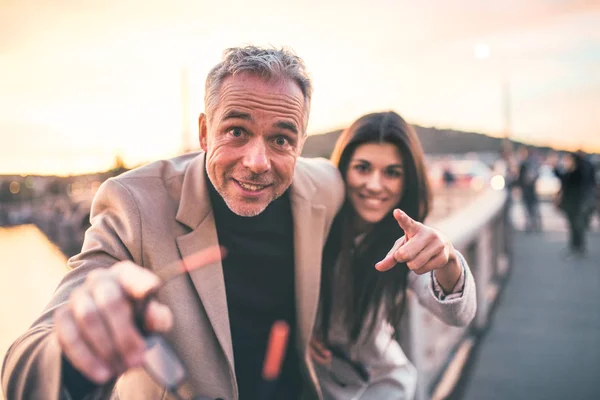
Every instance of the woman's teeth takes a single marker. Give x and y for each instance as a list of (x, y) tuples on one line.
[(372, 201)]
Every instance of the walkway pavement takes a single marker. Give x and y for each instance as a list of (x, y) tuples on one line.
[(544, 337)]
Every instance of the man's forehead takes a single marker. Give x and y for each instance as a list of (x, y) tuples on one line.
[(241, 97), (246, 82)]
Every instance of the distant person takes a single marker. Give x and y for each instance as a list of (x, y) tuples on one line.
[(3, 216), (510, 170), (572, 198), (527, 179), (249, 191), (588, 171), (511, 174), (448, 176), (364, 285), (596, 164)]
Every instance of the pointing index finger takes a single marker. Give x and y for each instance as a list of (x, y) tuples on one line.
[(408, 225)]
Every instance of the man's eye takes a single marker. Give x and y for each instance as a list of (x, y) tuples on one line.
[(281, 141), (236, 132)]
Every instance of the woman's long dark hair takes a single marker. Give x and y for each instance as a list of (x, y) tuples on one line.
[(365, 289)]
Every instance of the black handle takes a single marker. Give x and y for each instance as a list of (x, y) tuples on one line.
[(139, 312)]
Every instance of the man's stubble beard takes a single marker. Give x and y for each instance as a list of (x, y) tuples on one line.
[(247, 210), (242, 208)]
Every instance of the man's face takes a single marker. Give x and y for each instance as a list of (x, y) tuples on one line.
[(252, 140)]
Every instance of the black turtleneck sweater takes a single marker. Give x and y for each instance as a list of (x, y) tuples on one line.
[(259, 282)]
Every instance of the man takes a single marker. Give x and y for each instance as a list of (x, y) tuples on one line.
[(588, 187), (572, 198), (528, 176), (249, 192)]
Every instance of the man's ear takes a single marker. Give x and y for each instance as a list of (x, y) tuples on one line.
[(203, 131)]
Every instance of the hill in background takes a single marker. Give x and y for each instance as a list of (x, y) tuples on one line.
[(435, 142)]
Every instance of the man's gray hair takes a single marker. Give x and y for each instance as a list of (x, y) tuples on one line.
[(270, 63)]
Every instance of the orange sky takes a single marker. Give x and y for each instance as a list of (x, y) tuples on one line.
[(82, 81)]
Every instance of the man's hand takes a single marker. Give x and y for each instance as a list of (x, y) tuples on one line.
[(423, 249), (96, 329)]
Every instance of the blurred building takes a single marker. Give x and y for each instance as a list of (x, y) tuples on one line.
[(59, 206)]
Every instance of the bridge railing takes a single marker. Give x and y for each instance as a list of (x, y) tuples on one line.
[(481, 231), (479, 228)]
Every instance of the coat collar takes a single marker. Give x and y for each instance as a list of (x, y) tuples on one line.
[(194, 203)]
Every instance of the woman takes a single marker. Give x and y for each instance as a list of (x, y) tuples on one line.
[(364, 282)]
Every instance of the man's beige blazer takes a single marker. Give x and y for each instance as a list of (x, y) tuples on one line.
[(153, 216)]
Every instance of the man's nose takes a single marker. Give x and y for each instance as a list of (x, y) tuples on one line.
[(256, 158)]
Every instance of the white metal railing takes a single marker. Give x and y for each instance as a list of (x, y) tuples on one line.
[(481, 232)]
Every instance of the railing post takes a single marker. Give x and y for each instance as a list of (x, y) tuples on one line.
[(507, 228), (497, 251), (483, 275)]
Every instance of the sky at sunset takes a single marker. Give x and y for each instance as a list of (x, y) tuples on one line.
[(84, 80)]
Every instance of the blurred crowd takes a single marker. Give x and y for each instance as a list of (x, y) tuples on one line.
[(571, 180)]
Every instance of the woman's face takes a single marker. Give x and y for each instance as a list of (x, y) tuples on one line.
[(374, 182)]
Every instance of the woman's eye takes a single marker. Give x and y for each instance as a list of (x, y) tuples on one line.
[(394, 174), (361, 167)]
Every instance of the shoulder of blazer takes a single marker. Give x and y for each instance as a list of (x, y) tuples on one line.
[(159, 178), (164, 170), (326, 179)]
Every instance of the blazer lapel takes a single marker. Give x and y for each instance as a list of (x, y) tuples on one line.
[(195, 211), (309, 225)]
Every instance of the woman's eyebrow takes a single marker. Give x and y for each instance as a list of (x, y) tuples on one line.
[(399, 166)]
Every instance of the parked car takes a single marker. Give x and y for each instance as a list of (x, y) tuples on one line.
[(468, 174)]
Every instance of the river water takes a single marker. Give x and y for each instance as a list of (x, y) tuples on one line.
[(30, 269)]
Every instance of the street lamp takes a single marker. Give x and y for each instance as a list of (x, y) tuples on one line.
[(482, 51), (185, 110)]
